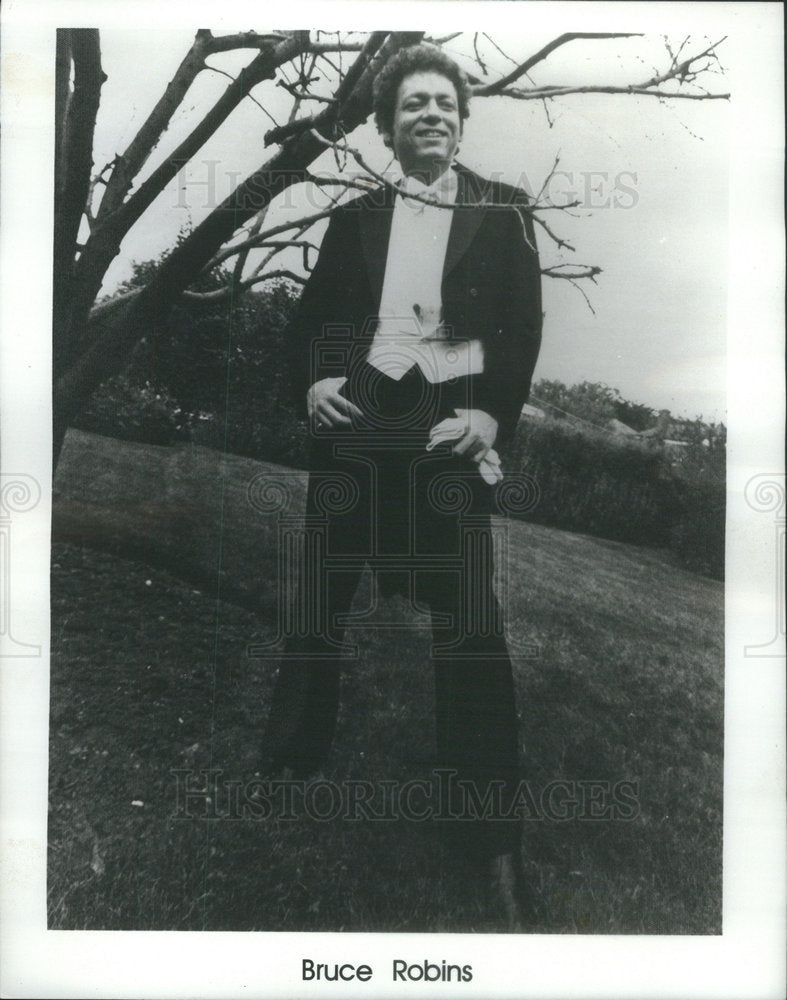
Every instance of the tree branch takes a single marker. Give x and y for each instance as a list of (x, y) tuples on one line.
[(279, 245), (488, 89), (560, 242), (682, 72), (105, 241), (478, 59), (332, 115), (74, 151), (443, 39), (539, 93), (76, 135), (250, 96), (583, 293), (108, 341), (397, 188), (254, 241), (321, 48), (261, 68), (304, 95), (297, 127), (221, 294), (242, 40), (580, 271), (129, 163), (240, 262), (62, 96), (260, 268)]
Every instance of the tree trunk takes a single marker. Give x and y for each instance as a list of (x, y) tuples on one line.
[(74, 127), (112, 330)]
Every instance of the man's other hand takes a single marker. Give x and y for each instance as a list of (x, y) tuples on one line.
[(479, 436), (326, 407)]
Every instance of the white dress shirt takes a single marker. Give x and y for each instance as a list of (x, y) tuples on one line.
[(409, 332)]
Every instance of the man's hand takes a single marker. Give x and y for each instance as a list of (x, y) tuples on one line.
[(479, 436), (326, 407)]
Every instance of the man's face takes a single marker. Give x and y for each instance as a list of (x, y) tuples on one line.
[(426, 124)]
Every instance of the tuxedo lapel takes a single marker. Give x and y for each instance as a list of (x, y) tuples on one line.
[(468, 216), (375, 224), (377, 215)]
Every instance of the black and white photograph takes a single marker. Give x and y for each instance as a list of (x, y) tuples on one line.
[(388, 557)]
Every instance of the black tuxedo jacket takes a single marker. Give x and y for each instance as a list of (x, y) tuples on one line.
[(491, 291)]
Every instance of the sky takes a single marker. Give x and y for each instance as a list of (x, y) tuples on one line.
[(651, 176)]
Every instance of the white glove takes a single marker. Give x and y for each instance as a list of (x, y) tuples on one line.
[(472, 429)]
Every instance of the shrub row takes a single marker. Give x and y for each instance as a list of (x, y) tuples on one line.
[(620, 489), (214, 376), (218, 378)]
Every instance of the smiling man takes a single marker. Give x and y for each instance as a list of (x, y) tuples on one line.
[(426, 125), (412, 353)]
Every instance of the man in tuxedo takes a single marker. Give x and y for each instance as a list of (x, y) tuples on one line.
[(412, 355)]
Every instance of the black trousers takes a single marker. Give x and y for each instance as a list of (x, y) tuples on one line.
[(422, 521)]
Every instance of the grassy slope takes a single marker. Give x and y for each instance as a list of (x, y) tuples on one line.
[(149, 675)]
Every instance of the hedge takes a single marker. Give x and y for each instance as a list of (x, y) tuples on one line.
[(218, 378), (621, 489)]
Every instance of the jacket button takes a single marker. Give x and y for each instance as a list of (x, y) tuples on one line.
[(474, 292)]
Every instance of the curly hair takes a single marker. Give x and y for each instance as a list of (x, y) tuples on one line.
[(415, 59)]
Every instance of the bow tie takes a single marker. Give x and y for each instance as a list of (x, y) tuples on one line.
[(443, 190)]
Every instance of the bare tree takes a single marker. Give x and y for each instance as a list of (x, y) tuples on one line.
[(92, 341)]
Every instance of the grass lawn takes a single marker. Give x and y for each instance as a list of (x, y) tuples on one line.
[(151, 678)]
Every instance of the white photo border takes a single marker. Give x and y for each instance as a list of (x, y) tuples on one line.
[(746, 960)]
